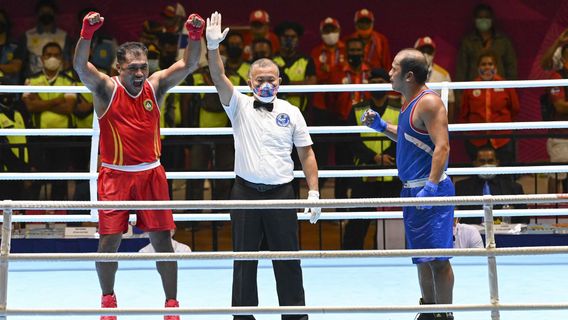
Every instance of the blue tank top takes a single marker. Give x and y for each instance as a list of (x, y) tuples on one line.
[(414, 148)]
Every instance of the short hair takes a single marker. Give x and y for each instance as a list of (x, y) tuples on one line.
[(485, 54), (486, 148), (135, 48), (51, 45), (263, 63), (415, 63), (285, 25), (482, 7), (353, 39), (261, 40)]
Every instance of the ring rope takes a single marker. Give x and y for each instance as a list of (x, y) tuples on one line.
[(284, 310), (286, 204)]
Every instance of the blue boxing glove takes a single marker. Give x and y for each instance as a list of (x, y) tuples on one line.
[(429, 190), (373, 120)]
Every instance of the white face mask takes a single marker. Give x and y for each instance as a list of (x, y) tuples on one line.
[(488, 176), (483, 24), (330, 38), (52, 64), (266, 92)]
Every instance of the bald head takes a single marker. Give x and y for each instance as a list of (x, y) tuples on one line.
[(412, 60)]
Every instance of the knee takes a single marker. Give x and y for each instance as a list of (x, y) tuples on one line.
[(441, 266)]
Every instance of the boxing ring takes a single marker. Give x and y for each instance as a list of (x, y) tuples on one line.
[(524, 283)]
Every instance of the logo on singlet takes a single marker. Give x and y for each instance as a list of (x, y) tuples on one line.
[(148, 105), (282, 120)]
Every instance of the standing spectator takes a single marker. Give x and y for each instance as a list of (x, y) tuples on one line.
[(553, 58), (46, 31), (489, 106), (377, 49), (435, 72), (236, 66), (354, 71), (260, 29), (423, 150), (485, 37), (557, 147), (265, 129), (51, 110), (10, 53), (299, 68), (489, 184), (261, 48), (371, 153)]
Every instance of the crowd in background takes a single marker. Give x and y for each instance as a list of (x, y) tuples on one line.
[(42, 56)]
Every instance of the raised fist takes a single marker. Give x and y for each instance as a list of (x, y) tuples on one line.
[(91, 23), (195, 25)]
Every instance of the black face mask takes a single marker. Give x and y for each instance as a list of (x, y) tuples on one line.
[(234, 52), (3, 27), (355, 59), (288, 43), (378, 94), (46, 18), (260, 55)]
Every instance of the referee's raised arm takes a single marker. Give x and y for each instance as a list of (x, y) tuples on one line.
[(214, 37)]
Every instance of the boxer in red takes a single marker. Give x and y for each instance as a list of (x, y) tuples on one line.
[(127, 107)]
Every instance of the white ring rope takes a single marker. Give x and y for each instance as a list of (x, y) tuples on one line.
[(285, 204), (284, 310), (340, 215), (315, 88), (297, 174)]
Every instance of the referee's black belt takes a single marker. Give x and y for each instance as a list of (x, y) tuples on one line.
[(260, 187)]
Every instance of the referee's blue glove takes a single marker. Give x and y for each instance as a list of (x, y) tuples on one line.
[(374, 121), (429, 190)]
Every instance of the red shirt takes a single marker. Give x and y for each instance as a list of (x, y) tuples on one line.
[(377, 51), (130, 128), (342, 102), (487, 106), (326, 59)]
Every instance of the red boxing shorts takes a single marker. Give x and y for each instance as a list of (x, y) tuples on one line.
[(114, 185)]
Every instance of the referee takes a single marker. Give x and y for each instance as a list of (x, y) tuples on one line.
[(265, 130)]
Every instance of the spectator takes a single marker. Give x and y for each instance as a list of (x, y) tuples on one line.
[(46, 31), (259, 29), (51, 110), (369, 153), (236, 65), (377, 49), (261, 48), (435, 72), (10, 52), (489, 183), (489, 106), (557, 147), (552, 58), (299, 68), (485, 37), (466, 236)]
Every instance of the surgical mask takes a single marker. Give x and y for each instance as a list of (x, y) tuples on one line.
[(355, 59), (46, 18), (52, 64), (487, 74), (153, 65), (234, 52), (266, 92), (483, 24), (330, 39), (429, 59), (488, 176)]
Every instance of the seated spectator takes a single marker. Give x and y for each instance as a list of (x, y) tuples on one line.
[(261, 48), (10, 53), (178, 246), (466, 236), (490, 106), (552, 58), (485, 37), (489, 184), (557, 147), (377, 49), (44, 32), (236, 66), (435, 72), (260, 29)]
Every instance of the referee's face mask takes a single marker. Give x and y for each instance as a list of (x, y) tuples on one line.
[(264, 82)]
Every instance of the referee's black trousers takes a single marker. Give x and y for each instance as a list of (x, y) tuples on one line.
[(279, 229)]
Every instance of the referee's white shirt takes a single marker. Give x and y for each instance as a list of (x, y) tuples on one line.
[(466, 236), (264, 140)]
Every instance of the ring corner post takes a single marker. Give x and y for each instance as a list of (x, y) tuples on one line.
[(491, 260), (4, 253)]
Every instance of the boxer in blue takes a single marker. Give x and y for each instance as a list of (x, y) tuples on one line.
[(422, 158)]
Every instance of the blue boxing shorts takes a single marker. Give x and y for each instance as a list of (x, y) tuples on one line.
[(429, 228)]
